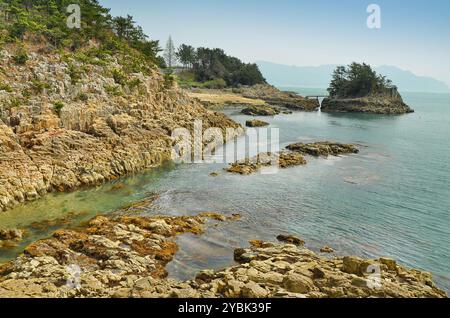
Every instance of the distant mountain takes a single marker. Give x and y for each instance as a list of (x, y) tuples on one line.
[(320, 76)]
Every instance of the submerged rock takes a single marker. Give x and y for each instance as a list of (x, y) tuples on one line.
[(326, 249), (291, 239), (9, 238), (256, 123), (11, 234)]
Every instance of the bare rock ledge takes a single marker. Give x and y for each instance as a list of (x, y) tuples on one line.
[(126, 257)]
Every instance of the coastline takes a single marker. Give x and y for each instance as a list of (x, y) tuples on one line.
[(87, 142), (125, 256)]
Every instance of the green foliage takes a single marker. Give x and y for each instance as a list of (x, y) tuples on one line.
[(5, 87), (58, 106), (213, 64), (169, 81), (119, 76), (38, 86), (15, 102), (83, 97), (113, 90), (134, 83), (186, 54), (74, 73), (358, 80), (218, 83), (21, 57), (48, 19)]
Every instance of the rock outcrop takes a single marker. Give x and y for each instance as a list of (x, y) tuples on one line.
[(263, 160), (126, 257), (67, 121), (291, 157), (10, 237), (323, 149), (260, 111), (100, 260), (384, 104), (261, 95), (274, 96), (292, 271)]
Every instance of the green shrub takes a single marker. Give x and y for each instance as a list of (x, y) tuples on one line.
[(169, 81), (134, 83), (20, 58), (83, 97), (15, 102), (5, 87), (58, 106), (119, 76), (218, 83), (113, 90), (74, 73), (39, 86)]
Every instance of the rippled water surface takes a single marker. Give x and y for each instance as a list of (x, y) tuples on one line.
[(392, 199)]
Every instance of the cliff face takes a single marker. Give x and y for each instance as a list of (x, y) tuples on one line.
[(389, 103), (68, 122)]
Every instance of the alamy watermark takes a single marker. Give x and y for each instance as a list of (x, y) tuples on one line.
[(74, 19), (374, 279), (74, 277), (215, 145), (374, 19)]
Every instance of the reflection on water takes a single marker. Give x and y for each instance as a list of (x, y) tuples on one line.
[(392, 199)]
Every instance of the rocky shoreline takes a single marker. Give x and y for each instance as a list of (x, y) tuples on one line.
[(69, 129), (255, 97), (126, 256)]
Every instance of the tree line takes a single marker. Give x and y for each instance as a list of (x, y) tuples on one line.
[(36, 20), (213, 64), (48, 19)]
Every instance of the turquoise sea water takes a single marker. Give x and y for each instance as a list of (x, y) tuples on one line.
[(392, 199)]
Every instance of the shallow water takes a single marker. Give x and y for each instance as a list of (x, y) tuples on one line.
[(392, 199)]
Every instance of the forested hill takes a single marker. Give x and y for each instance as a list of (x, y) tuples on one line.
[(55, 21)]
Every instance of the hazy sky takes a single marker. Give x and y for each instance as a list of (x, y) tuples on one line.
[(414, 35)]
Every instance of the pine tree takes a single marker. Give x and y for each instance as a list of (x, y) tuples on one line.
[(170, 54)]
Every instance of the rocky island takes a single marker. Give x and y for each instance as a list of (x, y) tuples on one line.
[(359, 89)]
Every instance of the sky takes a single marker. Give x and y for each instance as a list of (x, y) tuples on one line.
[(414, 34)]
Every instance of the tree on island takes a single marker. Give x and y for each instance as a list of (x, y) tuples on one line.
[(169, 53), (358, 80)]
